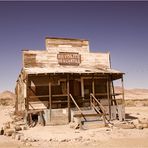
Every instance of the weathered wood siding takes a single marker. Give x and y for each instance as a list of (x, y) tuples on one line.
[(48, 60), (38, 105), (62, 44), (20, 94)]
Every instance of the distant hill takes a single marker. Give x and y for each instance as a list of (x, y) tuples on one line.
[(135, 93), (7, 98)]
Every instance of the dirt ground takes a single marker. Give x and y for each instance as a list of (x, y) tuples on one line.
[(64, 137)]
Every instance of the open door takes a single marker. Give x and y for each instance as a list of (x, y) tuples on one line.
[(87, 88), (75, 90)]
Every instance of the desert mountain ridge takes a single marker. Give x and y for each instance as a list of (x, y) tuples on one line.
[(7, 98), (7, 94), (134, 93)]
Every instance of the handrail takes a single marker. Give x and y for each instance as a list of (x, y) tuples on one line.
[(101, 106), (96, 109), (77, 106)]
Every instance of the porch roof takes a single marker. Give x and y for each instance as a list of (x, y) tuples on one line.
[(70, 69)]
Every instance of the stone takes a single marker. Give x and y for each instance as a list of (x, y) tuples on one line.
[(13, 135), (7, 125), (50, 139), (25, 127), (18, 128), (2, 131), (18, 137), (9, 132), (135, 122), (145, 125), (139, 126), (79, 138), (127, 126), (28, 144), (143, 121), (63, 140), (72, 124)]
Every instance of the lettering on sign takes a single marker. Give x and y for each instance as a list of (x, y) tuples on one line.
[(69, 58)]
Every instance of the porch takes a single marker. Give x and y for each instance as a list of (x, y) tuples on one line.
[(53, 93)]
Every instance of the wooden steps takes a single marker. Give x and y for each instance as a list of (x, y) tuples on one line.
[(86, 113), (89, 114)]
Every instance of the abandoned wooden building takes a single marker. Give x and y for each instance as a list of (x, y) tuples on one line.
[(67, 81)]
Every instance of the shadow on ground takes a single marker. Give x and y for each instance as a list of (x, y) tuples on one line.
[(129, 117)]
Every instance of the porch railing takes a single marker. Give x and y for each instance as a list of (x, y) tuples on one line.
[(80, 111), (98, 107)]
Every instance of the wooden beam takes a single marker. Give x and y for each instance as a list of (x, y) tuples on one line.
[(93, 86), (68, 99), (113, 94), (108, 96), (123, 101), (49, 102), (28, 117), (82, 87), (27, 94)]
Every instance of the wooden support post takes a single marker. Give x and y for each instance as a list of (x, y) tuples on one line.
[(113, 94), (123, 101), (108, 96), (27, 118), (93, 86), (50, 103), (82, 87), (27, 94), (30, 119), (68, 99)]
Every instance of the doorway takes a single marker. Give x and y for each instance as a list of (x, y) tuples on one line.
[(75, 90)]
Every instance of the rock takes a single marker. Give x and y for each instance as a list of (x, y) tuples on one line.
[(135, 122), (2, 131), (127, 126), (25, 127), (64, 140), (7, 125), (72, 124), (139, 126), (79, 138), (88, 139), (18, 128), (9, 132), (145, 125), (13, 135), (27, 144), (50, 139), (17, 137), (31, 140), (77, 131), (143, 121)]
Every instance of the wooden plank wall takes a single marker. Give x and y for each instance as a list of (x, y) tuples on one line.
[(46, 59), (20, 94), (62, 44)]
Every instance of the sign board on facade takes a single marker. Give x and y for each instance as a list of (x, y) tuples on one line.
[(69, 58)]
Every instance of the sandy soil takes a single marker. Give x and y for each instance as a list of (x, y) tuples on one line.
[(65, 137)]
